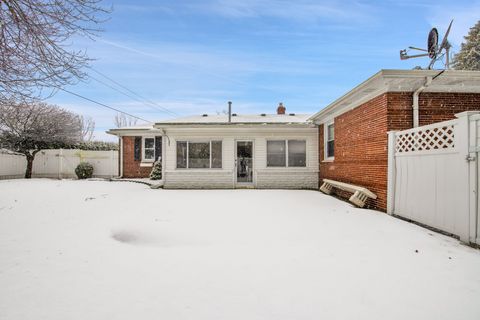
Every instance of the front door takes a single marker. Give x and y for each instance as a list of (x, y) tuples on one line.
[(244, 163)]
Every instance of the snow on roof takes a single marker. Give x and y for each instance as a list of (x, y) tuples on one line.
[(239, 118), (136, 127), (289, 118), (387, 80)]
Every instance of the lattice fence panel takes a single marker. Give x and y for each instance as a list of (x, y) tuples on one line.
[(430, 138)]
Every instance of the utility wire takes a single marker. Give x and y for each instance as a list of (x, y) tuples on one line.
[(143, 99), (119, 91), (103, 105)]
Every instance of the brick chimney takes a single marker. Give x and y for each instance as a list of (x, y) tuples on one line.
[(281, 109)]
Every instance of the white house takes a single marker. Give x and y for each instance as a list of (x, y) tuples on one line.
[(221, 151)]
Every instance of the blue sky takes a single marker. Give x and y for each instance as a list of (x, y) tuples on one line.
[(193, 56)]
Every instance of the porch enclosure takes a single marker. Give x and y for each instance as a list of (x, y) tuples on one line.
[(59, 163), (433, 174)]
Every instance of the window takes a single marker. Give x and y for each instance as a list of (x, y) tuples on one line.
[(199, 155), (149, 149), (181, 154), (286, 153), (216, 154), (330, 141), (276, 153), (297, 153)]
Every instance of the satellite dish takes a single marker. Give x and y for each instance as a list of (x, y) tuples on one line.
[(432, 43), (433, 51), (445, 44)]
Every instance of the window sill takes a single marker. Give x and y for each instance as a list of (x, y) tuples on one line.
[(329, 160), (146, 164)]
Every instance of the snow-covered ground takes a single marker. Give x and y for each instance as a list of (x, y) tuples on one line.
[(111, 250)]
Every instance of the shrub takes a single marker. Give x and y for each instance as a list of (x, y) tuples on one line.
[(84, 170), (156, 173)]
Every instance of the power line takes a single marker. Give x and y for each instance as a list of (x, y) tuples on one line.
[(113, 88), (103, 105), (151, 103)]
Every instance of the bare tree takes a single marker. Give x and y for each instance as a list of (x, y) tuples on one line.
[(121, 120), (29, 128), (88, 128), (34, 44)]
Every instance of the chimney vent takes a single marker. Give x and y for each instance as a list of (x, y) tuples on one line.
[(229, 111), (281, 109), (204, 115), (291, 114)]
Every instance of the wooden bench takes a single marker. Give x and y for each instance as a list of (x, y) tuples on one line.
[(360, 194)]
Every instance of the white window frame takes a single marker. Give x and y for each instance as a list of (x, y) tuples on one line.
[(286, 153), (188, 153), (325, 140), (143, 149)]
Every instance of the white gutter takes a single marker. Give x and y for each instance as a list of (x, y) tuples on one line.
[(416, 94)]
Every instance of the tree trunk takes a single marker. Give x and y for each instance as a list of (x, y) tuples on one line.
[(28, 172), (30, 158)]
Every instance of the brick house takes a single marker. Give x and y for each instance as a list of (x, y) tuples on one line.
[(346, 141), (353, 129)]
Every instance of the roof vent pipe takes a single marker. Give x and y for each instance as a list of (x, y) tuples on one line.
[(229, 111), (416, 94)]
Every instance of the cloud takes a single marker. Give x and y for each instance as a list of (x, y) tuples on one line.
[(465, 16), (298, 11)]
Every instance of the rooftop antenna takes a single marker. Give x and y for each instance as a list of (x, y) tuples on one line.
[(433, 51)]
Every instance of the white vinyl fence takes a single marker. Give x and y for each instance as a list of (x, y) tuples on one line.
[(433, 175), (59, 163)]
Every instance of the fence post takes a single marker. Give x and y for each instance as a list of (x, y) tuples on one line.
[(60, 163), (391, 173), (463, 141)]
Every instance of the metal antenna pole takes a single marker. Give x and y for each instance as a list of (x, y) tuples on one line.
[(447, 59)]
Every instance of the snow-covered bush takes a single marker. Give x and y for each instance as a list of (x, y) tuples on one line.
[(156, 173), (84, 170)]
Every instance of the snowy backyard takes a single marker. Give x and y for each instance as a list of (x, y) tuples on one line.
[(116, 250)]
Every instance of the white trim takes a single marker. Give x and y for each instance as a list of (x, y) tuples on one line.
[(379, 84), (235, 165), (325, 141), (120, 149), (143, 148), (286, 153), (198, 140)]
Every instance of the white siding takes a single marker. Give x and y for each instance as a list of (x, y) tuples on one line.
[(306, 177)]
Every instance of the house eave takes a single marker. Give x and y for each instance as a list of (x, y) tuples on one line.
[(399, 81)]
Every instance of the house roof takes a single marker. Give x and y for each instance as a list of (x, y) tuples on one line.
[(205, 120), (401, 81), (238, 119)]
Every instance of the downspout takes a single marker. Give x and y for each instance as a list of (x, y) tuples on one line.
[(120, 158), (164, 152), (416, 94)]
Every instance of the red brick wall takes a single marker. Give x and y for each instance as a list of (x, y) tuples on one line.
[(361, 136), (131, 168), (360, 149)]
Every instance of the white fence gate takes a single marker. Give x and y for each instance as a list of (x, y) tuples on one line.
[(433, 175), (59, 163)]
